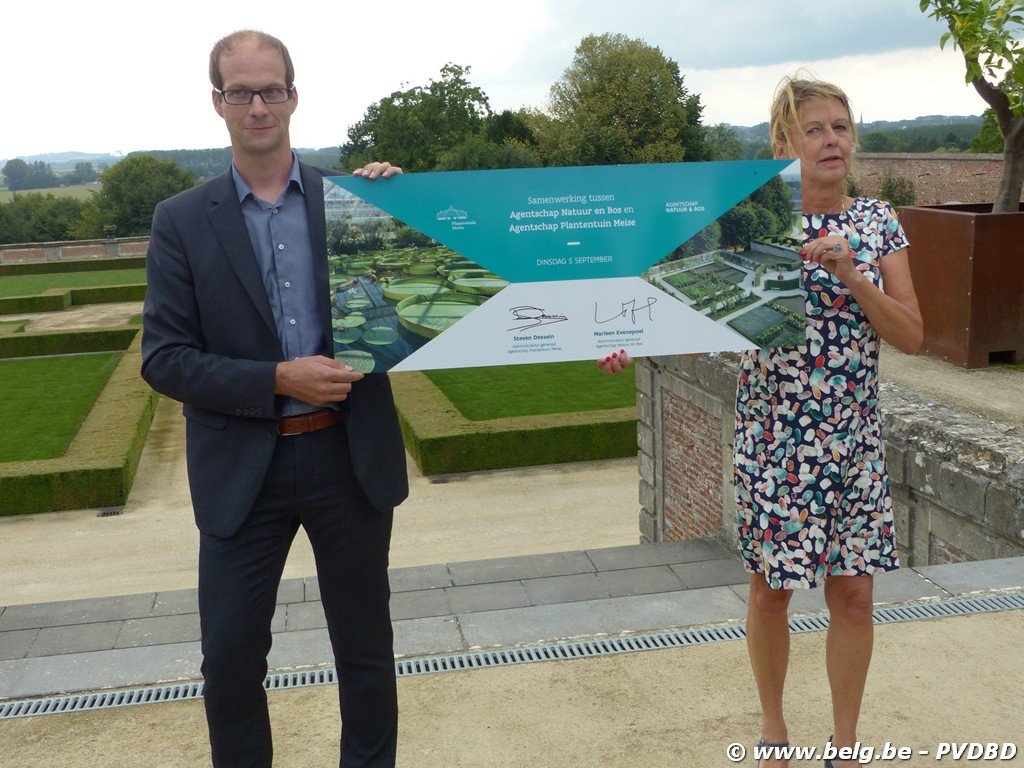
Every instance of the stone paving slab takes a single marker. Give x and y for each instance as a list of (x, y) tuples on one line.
[(419, 637), (158, 630), (176, 601), (419, 578), (54, 641), (960, 578), (15, 644), (710, 573), (22, 678), (302, 616), (300, 649), (67, 612), (515, 568), (612, 616), (486, 597), (419, 604), (640, 581), (291, 591), (667, 553), (565, 589)]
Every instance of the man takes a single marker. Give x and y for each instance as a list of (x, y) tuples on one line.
[(237, 327)]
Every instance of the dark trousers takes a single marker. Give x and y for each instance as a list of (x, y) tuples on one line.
[(310, 483)]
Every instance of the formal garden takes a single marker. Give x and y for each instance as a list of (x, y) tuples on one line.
[(76, 412)]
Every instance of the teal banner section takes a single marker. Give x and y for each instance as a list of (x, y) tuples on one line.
[(543, 224)]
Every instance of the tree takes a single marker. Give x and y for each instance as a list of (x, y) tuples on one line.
[(989, 138), (21, 175), (880, 141), (477, 152), (38, 218), (83, 174), (16, 173), (723, 143), (987, 33), (413, 128), (621, 101), (131, 190), (739, 225), (777, 200), (897, 189)]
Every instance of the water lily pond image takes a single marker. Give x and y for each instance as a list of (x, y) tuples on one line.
[(388, 301)]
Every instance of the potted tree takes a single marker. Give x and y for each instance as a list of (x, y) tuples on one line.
[(967, 261)]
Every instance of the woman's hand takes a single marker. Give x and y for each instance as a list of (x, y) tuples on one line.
[(894, 312), (615, 363), (832, 254)]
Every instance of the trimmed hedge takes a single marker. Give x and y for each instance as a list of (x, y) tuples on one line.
[(108, 294), (59, 299), (72, 265), (99, 466), (442, 441), (53, 300), (66, 342)]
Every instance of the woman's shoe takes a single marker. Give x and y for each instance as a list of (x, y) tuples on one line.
[(762, 743)]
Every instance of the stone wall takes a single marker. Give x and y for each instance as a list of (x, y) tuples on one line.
[(73, 249), (937, 178), (957, 480)]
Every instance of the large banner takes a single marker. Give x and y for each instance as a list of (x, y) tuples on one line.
[(476, 268)]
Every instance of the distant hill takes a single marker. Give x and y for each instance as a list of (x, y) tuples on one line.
[(929, 133), (203, 162), (60, 161)]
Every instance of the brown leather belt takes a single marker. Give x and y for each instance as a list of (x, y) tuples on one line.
[(308, 422)]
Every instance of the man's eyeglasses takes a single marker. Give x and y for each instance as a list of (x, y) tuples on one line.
[(240, 96)]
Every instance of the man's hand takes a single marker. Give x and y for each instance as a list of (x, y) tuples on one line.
[(315, 380), (373, 170)]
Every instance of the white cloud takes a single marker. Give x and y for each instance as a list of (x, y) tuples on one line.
[(106, 75)]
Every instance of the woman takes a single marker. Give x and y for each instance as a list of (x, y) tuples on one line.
[(811, 490)]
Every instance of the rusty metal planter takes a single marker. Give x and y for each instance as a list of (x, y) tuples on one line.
[(968, 269)]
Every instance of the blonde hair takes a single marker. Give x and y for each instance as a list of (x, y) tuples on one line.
[(790, 94)]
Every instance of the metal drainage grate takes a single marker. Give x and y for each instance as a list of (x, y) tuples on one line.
[(504, 657)]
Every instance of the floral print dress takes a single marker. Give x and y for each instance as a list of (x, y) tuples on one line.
[(812, 493)]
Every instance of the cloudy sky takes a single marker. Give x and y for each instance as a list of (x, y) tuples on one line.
[(112, 76)]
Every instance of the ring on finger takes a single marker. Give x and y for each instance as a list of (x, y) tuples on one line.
[(838, 247)]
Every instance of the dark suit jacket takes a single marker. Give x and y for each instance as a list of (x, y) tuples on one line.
[(209, 341)]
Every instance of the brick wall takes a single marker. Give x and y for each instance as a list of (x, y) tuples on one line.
[(693, 464), (944, 552), (21, 253), (937, 178), (957, 480)]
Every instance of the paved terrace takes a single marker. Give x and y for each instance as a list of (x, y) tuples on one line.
[(132, 640)]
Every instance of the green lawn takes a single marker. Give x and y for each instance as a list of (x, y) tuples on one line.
[(45, 400), (530, 390), (31, 285), (78, 191)]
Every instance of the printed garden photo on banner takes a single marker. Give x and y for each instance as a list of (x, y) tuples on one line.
[(478, 268)]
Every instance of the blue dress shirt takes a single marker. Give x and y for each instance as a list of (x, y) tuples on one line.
[(279, 232)]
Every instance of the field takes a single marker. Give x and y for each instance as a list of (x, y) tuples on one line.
[(500, 392), (756, 321), (30, 285), (77, 191), (720, 270), (45, 400)]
